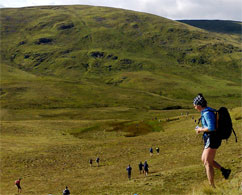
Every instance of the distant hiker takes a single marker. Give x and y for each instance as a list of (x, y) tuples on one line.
[(211, 141), (97, 161), (17, 183), (187, 114), (129, 169), (151, 151), (146, 168), (141, 167), (157, 150), (66, 191), (90, 162)]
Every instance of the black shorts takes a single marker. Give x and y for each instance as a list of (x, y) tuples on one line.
[(18, 186), (211, 141)]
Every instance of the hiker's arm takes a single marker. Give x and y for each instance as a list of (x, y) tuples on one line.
[(210, 120), (201, 129), (210, 123)]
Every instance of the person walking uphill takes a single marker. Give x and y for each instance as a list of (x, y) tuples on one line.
[(129, 169), (211, 141), (97, 161), (90, 162), (151, 151), (157, 150), (146, 168), (17, 183), (66, 191), (141, 167)]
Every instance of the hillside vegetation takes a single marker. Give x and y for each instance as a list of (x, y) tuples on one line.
[(87, 56), (79, 82), (50, 154)]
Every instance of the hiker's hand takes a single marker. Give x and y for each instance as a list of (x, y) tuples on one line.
[(198, 130)]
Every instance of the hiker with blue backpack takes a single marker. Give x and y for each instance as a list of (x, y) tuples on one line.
[(212, 135)]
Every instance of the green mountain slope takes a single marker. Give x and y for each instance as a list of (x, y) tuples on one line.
[(83, 39), (82, 55)]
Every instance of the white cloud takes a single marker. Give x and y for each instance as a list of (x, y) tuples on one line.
[(173, 9)]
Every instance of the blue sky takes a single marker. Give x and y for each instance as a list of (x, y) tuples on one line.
[(172, 9)]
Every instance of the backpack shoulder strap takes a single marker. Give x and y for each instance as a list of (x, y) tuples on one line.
[(217, 119), (216, 114), (234, 135)]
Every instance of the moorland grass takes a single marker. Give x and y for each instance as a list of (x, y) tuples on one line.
[(48, 156)]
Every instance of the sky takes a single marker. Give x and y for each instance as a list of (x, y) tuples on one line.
[(172, 9)]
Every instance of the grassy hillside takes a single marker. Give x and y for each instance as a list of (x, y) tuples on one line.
[(219, 26), (50, 154), (78, 41), (27, 96), (88, 57), (79, 82)]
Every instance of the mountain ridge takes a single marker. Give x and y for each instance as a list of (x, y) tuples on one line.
[(219, 26)]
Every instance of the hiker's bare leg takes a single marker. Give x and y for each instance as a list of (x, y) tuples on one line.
[(208, 161), (216, 165)]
